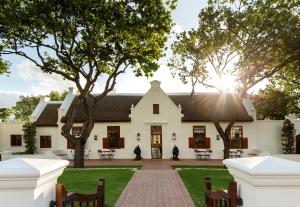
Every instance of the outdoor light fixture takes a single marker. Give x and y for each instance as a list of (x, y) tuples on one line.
[(95, 137), (218, 137), (138, 136), (174, 136)]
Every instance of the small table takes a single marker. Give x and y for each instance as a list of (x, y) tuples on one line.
[(236, 153), (203, 154), (106, 154)]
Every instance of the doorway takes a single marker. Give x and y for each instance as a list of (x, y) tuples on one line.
[(298, 144), (156, 142)]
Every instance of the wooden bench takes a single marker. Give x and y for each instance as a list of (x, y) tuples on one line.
[(226, 198), (67, 199)]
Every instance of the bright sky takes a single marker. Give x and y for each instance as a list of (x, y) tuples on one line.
[(25, 79)]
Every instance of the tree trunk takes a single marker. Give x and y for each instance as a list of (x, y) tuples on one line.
[(79, 155), (226, 147), (225, 135), (87, 127)]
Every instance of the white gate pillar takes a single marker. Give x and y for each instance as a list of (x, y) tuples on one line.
[(29, 182), (266, 181)]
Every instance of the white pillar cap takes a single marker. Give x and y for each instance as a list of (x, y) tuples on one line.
[(265, 171), (25, 173)]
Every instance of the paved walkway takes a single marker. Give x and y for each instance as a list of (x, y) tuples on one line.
[(155, 188), (156, 185)]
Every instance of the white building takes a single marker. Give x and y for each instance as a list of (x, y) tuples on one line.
[(155, 121)]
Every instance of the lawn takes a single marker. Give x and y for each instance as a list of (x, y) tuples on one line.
[(85, 181), (193, 179)]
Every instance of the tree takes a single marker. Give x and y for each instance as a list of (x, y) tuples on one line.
[(248, 40), (4, 114), (29, 137), (272, 103), (24, 107), (3, 66), (288, 137), (56, 96), (85, 40)]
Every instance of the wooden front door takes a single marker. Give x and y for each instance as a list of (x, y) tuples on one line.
[(156, 139), (298, 144)]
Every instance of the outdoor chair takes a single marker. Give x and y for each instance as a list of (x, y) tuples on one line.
[(87, 154), (111, 154), (239, 153), (208, 154)]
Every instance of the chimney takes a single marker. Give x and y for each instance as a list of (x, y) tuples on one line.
[(155, 84), (42, 98), (71, 89)]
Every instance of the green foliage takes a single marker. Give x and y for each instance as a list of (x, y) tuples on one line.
[(85, 40), (56, 96), (73, 38), (5, 113), (29, 137), (262, 37), (272, 103), (24, 107), (3, 66), (288, 137)]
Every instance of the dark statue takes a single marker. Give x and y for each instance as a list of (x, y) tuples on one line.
[(175, 153), (137, 152)]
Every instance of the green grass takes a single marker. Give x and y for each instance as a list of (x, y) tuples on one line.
[(194, 181), (85, 181)]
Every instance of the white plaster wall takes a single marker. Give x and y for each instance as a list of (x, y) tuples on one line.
[(48, 131), (100, 129), (169, 117), (7, 129), (269, 134)]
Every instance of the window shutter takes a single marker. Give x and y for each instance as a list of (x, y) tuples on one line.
[(192, 142), (207, 143), (121, 143), (105, 143), (245, 143)]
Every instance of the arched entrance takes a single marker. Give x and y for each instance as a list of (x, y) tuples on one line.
[(298, 144)]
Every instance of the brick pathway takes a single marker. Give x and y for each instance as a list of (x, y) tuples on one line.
[(155, 188)]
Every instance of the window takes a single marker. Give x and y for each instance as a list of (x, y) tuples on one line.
[(236, 135), (45, 141), (199, 135), (113, 139), (15, 140), (113, 135), (155, 108)]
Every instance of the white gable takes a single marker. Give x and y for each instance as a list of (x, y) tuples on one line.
[(143, 111)]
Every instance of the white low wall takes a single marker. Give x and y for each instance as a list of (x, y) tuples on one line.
[(35, 156), (292, 157), (266, 181), (29, 182)]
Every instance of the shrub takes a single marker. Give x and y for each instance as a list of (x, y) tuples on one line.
[(287, 137), (29, 130)]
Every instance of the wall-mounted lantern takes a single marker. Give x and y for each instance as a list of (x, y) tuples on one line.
[(217, 137), (138, 136), (95, 137), (174, 136)]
